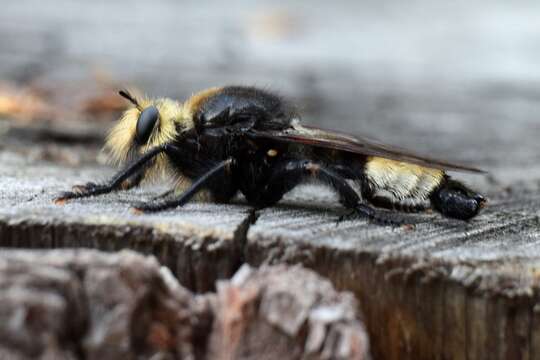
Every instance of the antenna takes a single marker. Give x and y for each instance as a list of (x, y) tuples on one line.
[(127, 95)]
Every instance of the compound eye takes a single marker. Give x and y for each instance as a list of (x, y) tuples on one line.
[(145, 124)]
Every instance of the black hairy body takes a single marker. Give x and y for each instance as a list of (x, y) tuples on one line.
[(243, 139)]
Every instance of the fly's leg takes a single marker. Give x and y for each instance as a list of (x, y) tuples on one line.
[(222, 169), (92, 189), (289, 174)]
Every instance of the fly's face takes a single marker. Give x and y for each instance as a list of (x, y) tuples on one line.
[(150, 123)]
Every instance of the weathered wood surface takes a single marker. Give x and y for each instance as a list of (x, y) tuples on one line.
[(198, 246), (464, 87), (83, 304)]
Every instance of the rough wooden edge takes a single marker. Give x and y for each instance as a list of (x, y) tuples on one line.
[(197, 263), (70, 304), (415, 308), (428, 309)]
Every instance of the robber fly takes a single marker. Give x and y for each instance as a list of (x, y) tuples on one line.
[(232, 139)]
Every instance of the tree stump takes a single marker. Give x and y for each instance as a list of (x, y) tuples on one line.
[(443, 87)]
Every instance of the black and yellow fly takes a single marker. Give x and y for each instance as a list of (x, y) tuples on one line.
[(226, 140)]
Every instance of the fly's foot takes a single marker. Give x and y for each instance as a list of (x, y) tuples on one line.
[(80, 191), (164, 195), (135, 210), (365, 211), (62, 198), (139, 208)]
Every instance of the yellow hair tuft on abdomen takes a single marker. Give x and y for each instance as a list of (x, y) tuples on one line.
[(402, 180)]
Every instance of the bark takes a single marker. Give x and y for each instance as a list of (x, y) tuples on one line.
[(83, 304)]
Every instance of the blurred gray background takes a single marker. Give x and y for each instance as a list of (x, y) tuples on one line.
[(458, 80)]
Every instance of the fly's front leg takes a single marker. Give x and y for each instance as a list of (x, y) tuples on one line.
[(120, 181), (91, 188)]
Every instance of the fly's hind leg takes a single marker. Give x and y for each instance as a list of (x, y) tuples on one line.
[(93, 188), (289, 174)]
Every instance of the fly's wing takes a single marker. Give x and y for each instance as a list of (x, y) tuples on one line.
[(313, 136)]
